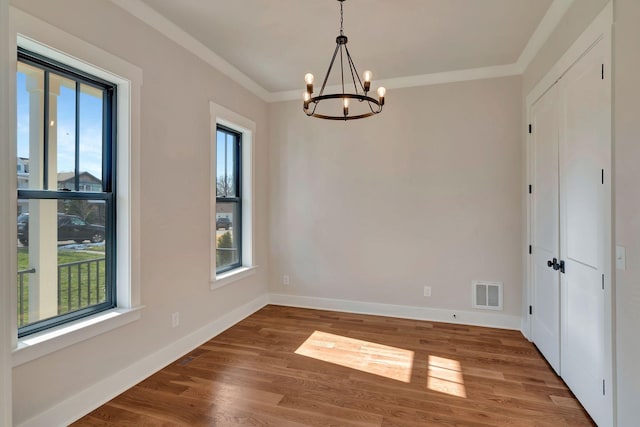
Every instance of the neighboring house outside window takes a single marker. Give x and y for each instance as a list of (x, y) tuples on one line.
[(67, 220)]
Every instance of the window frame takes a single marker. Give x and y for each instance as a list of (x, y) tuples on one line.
[(237, 200), (109, 174), (247, 128), (30, 32)]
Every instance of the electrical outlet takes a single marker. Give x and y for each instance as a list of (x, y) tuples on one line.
[(175, 319), (427, 291), (285, 280)]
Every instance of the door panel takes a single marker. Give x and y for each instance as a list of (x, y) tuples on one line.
[(545, 326), (584, 153)]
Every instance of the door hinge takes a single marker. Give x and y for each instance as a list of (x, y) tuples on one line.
[(603, 282), (602, 175), (530, 129), (603, 389), (530, 189), (530, 310), (602, 71), (530, 250)]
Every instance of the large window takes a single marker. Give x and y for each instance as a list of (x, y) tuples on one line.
[(66, 179), (228, 230)]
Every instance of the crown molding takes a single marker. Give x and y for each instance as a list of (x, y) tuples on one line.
[(547, 25), (157, 21), (420, 80)]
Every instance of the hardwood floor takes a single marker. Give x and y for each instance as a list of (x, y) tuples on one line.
[(296, 367)]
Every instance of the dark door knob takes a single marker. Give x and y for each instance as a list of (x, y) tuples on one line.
[(561, 267), (553, 264), (549, 263)]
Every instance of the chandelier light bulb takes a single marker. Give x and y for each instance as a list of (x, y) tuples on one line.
[(307, 98), (345, 106), (308, 78), (367, 80), (381, 93)]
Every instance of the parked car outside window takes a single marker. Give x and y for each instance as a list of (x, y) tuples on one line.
[(223, 222), (70, 227)]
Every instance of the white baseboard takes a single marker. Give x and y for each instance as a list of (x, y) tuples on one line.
[(89, 399), (489, 319)]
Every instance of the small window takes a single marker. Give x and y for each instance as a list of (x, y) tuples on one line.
[(232, 219), (228, 230), (66, 234)]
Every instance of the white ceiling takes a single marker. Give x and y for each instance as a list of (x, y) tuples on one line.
[(273, 43)]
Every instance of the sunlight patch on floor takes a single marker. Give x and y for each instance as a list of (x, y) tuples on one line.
[(445, 376), (390, 362)]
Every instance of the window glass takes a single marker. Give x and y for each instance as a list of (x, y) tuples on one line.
[(62, 129), (228, 233), (90, 154), (66, 221), (68, 276), (29, 85), (227, 146)]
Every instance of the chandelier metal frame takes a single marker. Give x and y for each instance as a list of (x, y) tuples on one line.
[(361, 89)]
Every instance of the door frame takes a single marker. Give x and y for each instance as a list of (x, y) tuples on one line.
[(600, 30)]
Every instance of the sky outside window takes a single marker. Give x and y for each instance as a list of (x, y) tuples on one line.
[(90, 124)]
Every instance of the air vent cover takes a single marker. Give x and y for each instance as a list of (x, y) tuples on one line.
[(486, 295)]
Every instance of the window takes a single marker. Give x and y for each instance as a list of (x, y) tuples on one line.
[(232, 216), (66, 132), (228, 232)]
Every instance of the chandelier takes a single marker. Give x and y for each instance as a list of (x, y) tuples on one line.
[(361, 87)]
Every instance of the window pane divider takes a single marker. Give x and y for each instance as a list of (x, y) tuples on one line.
[(228, 199), (77, 139), (45, 133), (66, 195)]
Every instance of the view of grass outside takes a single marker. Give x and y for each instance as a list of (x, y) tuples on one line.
[(81, 274), (223, 255)]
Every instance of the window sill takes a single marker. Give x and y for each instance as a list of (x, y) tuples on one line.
[(38, 345), (229, 277)]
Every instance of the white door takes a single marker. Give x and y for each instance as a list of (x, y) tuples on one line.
[(585, 209), (545, 304)]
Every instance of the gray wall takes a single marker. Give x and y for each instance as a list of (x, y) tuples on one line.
[(426, 193), (627, 204), (174, 202)]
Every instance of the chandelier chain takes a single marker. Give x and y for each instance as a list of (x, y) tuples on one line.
[(341, 19)]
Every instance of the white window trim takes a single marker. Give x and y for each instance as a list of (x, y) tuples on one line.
[(223, 116), (66, 48)]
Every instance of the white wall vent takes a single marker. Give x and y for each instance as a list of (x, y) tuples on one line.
[(486, 295)]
